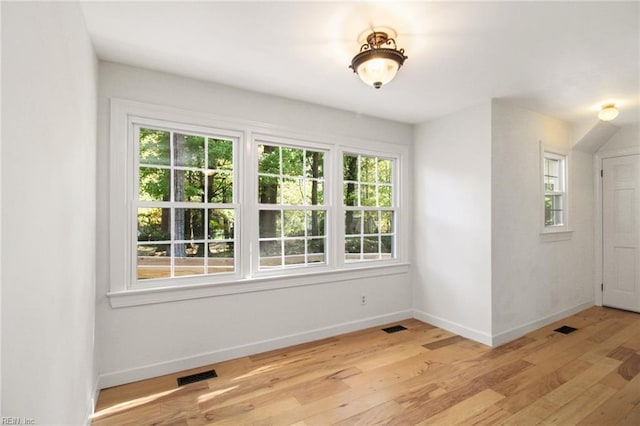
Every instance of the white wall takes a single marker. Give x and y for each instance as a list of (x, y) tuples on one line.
[(145, 341), (49, 77), (452, 222), (626, 137), (534, 280)]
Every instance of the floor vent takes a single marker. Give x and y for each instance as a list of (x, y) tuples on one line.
[(394, 329), (196, 377), (565, 329)]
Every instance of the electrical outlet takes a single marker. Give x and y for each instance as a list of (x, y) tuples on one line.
[(363, 300)]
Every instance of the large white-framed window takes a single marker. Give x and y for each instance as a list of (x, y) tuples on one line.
[(368, 200), (291, 205), (202, 206), (184, 202), (555, 192)]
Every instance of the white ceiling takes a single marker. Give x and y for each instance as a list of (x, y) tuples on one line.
[(559, 58)]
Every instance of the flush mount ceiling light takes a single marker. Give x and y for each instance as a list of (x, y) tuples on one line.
[(608, 112), (379, 60)]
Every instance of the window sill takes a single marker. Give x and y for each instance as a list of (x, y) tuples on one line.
[(550, 236), (120, 299)]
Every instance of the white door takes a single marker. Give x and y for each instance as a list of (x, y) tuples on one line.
[(621, 232)]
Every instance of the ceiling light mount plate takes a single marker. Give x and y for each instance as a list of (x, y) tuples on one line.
[(364, 35)]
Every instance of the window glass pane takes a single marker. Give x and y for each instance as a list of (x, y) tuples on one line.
[(153, 261), (219, 187), (367, 169), (270, 253), (222, 251), (221, 224), (220, 154), (315, 223), (268, 159), (270, 223), (384, 196), (552, 184), (351, 194), (352, 246), (367, 195), (552, 167), (154, 224), (370, 222), (314, 193), (154, 184), (314, 164), (189, 186), (553, 210), (292, 191), (294, 252), (189, 224), (268, 190), (189, 259), (386, 246), (552, 173), (558, 217), (386, 222), (221, 258), (188, 150), (384, 171), (154, 147), (315, 246), (294, 223), (353, 222), (371, 245), (350, 165), (292, 161)]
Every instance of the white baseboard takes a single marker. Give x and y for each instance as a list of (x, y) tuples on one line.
[(92, 402), (516, 332), (454, 327), (500, 338), (172, 366)]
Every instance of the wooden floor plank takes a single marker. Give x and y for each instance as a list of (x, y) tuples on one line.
[(422, 375), (465, 410)]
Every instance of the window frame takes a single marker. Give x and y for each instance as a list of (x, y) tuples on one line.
[(392, 208), (236, 139), (560, 230), (328, 172), (121, 223)]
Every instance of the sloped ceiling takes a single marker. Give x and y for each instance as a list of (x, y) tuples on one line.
[(558, 58)]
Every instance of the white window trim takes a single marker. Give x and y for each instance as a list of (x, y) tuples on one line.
[(329, 161), (555, 232), (237, 179), (395, 205), (247, 277)]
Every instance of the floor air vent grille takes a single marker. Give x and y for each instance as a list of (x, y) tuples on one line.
[(394, 329), (196, 377), (565, 329)]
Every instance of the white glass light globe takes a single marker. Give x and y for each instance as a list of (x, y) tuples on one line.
[(377, 72), (608, 113)]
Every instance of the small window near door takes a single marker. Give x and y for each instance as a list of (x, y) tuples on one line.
[(555, 191)]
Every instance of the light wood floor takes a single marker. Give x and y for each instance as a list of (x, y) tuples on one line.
[(423, 375)]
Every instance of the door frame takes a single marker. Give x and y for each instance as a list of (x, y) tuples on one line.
[(598, 158)]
